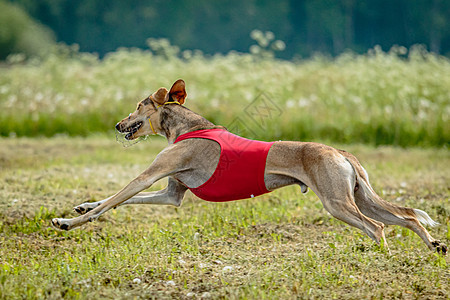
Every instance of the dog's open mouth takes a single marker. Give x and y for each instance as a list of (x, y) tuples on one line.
[(126, 136), (132, 130)]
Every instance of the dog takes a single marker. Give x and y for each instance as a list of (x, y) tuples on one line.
[(335, 176)]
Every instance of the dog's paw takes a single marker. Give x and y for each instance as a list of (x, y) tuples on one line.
[(304, 189), (440, 247), (83, 208), (62, 224)]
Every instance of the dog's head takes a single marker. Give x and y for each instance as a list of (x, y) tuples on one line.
[(145, 119)]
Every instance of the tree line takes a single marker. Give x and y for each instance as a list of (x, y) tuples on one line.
[(306, 26)]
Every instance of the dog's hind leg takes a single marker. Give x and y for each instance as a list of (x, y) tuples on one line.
[(336, 191), (376, 208), (171, 195), (344, 209)]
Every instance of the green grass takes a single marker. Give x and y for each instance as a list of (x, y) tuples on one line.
[(281, 245), (395, 98)]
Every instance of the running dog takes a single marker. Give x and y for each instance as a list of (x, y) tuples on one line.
[(219, 166)]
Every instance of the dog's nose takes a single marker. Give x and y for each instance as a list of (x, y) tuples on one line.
[(118, 126)]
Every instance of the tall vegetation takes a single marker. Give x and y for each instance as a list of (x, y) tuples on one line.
[(400, 97)]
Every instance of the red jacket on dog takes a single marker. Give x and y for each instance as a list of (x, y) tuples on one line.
[(240, 171)]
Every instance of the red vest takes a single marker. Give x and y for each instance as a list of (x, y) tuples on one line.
[(240, 171)]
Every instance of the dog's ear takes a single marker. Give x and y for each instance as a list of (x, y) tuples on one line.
[(161, 96), (178, 91)]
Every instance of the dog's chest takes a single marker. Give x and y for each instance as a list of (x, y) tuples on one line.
[(202, 164)]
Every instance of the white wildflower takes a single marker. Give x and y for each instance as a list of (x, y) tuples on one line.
[(84, 102), (227, 269), (269, 35), (256, 34), (290, 103), (279, 45), (303, 102)]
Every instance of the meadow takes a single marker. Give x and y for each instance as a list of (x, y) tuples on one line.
[(400, 97), (58, 149)]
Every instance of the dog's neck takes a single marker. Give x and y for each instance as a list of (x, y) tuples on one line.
[(176, 120)]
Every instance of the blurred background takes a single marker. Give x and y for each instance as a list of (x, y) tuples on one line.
[(307, 26), (370, 71)]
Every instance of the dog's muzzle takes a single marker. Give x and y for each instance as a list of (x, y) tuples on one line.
[(130, 130)]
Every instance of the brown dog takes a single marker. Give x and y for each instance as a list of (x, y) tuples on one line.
[(334, 175)]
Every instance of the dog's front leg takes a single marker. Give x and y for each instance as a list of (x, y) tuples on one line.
[(167, 163), (171, 195), (140, 183), (88, 206)]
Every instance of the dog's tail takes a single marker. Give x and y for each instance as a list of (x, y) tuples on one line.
[(376, 202)]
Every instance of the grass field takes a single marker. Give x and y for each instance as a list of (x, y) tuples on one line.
[(281, 245)]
